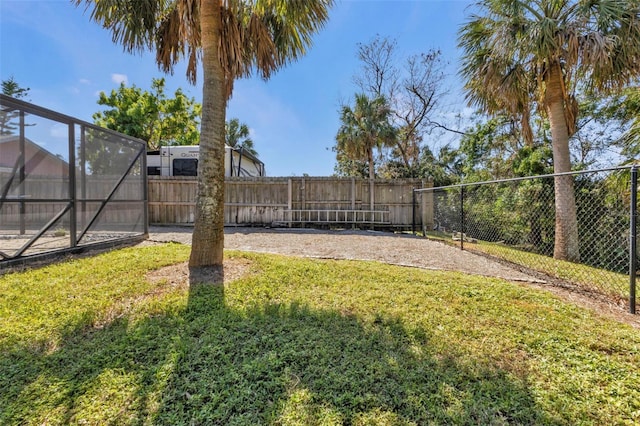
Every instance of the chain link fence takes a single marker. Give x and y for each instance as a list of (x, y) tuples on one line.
[(588, 248)]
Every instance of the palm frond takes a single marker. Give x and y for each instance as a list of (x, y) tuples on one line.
[(260, 35), (132, 22)]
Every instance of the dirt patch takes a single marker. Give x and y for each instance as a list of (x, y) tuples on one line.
[(592, 302), (180, 275)]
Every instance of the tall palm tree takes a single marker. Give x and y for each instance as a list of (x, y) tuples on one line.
[(237, 136), (232, 38), (552, 47), (364, 128)]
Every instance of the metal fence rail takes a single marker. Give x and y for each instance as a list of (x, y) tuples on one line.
[(515, 220), (66, 184)]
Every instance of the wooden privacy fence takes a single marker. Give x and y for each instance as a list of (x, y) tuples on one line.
[(42, 197), (266, 201)]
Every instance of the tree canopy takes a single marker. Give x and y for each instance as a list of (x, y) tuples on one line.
[(10, 87), (151, 115), (365, 128)]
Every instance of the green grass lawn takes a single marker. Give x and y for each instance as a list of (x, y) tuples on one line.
[(614, 286), (303, 342)]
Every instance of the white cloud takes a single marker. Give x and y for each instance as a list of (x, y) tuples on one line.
[(77, 88), (119, 78), (59, 131)]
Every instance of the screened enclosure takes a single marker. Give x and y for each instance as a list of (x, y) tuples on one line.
[(66, 184)]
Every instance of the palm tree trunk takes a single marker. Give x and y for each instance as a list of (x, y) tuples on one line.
[(566, 236), (208, 232)]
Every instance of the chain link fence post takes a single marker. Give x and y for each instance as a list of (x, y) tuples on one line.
[(462, 218), (633, 258), (413, 211)]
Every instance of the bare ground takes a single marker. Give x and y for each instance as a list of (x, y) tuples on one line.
[(396, 249)]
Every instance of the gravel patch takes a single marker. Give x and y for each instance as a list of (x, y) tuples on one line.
[(396, 249)]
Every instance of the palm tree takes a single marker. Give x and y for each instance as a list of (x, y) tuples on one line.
[(232, 38), (364, 128), (237, 136), (551, 48)]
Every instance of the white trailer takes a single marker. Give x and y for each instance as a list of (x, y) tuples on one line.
[(182, 160)]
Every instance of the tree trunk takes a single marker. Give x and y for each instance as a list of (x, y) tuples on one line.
[(208, 232), (566, 236)]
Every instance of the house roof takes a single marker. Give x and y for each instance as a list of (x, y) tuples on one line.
[(6, 143)]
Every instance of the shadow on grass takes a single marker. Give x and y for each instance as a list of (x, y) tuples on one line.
[(209, 363)]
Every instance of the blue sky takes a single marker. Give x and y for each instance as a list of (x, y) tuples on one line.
[(65, 59)]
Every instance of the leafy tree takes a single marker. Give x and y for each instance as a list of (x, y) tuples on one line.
[(631, 138), (594, 136), (624, 108), (102, 155), (553, 47), (533, 196), (151, 116), (10, 87), (347, 167), (231, 38), (237, 136), (436, 167), (490, 148)]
